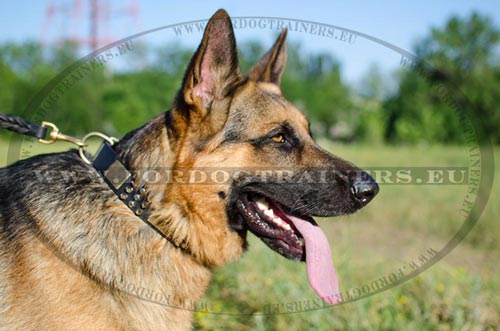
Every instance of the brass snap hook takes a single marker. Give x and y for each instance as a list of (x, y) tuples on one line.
[(56, 135)]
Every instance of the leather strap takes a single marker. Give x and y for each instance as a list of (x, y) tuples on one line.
[(22, 126), (120, 180)]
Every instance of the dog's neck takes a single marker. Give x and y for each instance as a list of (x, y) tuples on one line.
[(150, 149), (146, 152), (108, 244), (146, 147)]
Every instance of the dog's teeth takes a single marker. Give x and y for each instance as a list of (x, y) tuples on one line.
[(262, 204), (269, 213), (279, 221), (282, 224)]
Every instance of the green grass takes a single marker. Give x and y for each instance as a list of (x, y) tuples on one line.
[(460, 292)]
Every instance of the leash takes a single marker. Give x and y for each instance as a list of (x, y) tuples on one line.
[(19, 125), (114, 173)]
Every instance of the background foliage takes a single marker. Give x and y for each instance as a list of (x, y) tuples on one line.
[(462, 55)]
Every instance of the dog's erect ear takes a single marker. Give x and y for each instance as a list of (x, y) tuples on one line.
[(271, 66), (213, 70)]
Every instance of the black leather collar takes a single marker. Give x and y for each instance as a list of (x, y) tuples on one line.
[(120, 181)]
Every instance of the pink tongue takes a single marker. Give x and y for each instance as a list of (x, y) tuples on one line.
[(320, 269)]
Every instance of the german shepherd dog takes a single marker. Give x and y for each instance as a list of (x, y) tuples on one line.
[(69, 251)]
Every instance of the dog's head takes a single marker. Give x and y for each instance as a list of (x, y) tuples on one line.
[(258, 167)]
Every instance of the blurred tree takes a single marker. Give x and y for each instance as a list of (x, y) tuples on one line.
[(462, 58), (23, 71), (8, 80), (313, 82), (373, 84), (372, 90), (250, 53)]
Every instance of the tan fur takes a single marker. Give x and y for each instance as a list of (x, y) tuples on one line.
[(81, 260), (52, 281), (48, 292)]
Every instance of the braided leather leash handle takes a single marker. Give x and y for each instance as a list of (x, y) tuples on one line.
[(20, 125)]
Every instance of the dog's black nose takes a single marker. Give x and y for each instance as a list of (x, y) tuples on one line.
[(364, 188)]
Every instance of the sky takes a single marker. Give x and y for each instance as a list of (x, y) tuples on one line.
[(395, 22)]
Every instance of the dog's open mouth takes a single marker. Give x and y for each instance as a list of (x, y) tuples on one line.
[(267, 220), (296, 237)]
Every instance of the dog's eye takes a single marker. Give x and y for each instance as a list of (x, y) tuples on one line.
[(279, 138)]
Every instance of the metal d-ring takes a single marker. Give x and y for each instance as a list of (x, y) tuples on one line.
[(81, 151)]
